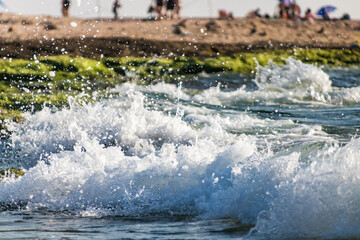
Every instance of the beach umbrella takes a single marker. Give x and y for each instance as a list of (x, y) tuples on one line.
[(286, 2), (325, 9)]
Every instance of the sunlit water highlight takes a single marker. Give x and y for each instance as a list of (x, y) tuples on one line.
[(272, 155)]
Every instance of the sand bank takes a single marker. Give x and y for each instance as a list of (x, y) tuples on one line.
[(26, 36)]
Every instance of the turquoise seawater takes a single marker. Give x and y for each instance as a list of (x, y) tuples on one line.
[(272, 155)]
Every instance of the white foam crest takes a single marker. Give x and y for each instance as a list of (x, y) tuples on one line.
[(243, 188), (118, 157), (294, 82), (294, 75), (94, 177), (231, 121), (164, 88), (210, 177), (345, 96), (126, 123), (246, 123), (320, 201), (113, 145), (213, 96), (267, 96), (216, 96), (212, 174)]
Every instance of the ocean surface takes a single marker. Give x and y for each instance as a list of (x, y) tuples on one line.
[(272, 155)]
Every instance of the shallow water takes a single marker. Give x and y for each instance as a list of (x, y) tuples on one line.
[(271, 155)]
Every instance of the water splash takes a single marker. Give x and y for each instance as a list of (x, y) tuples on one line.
[(321, 200), (292, 83), (159, 150)]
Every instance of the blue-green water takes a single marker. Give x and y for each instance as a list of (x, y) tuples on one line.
[(272, 155)]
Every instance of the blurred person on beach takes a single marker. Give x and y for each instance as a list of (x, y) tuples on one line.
[(173, 9), (325, 15), (346, 16), (254, 14), (116, 6), (158, 8), (177, 8), (65, 7), (284, 7), (309, 16), (223, 14), (294, 11), (170, 7)]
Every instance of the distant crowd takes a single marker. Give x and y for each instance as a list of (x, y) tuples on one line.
[(170, 9), (288, 9)]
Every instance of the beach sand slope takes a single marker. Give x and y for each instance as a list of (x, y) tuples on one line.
[(26, 36)]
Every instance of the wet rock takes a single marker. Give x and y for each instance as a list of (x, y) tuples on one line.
[(4, 21), (49, 26), (182, 23), (321, 30), (212, 26), (263, 34), (26, 22), (180, 31)]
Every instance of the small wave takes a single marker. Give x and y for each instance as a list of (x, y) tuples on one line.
[(292, 83), (160, 150), (320, 201)]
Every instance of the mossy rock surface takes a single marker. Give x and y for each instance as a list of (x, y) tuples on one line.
[(11, 172)]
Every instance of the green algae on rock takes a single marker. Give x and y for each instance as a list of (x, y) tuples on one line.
[(11, 172), (31, 84)]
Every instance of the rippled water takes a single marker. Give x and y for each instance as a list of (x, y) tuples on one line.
[(271, 155)]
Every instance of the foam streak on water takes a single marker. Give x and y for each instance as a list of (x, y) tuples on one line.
[(263, 156)]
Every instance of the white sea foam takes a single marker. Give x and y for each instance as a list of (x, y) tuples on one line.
[(321, 200), (293, 76), (115, 158), (134, 155), (345, 96), (292, 83), (208, 172), (127, 123)]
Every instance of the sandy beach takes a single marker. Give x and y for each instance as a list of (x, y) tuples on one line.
[(26, 36)]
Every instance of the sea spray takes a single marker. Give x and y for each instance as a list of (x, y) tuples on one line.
[(292, 76), (282, 163), (321, 200), (140, 158)]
